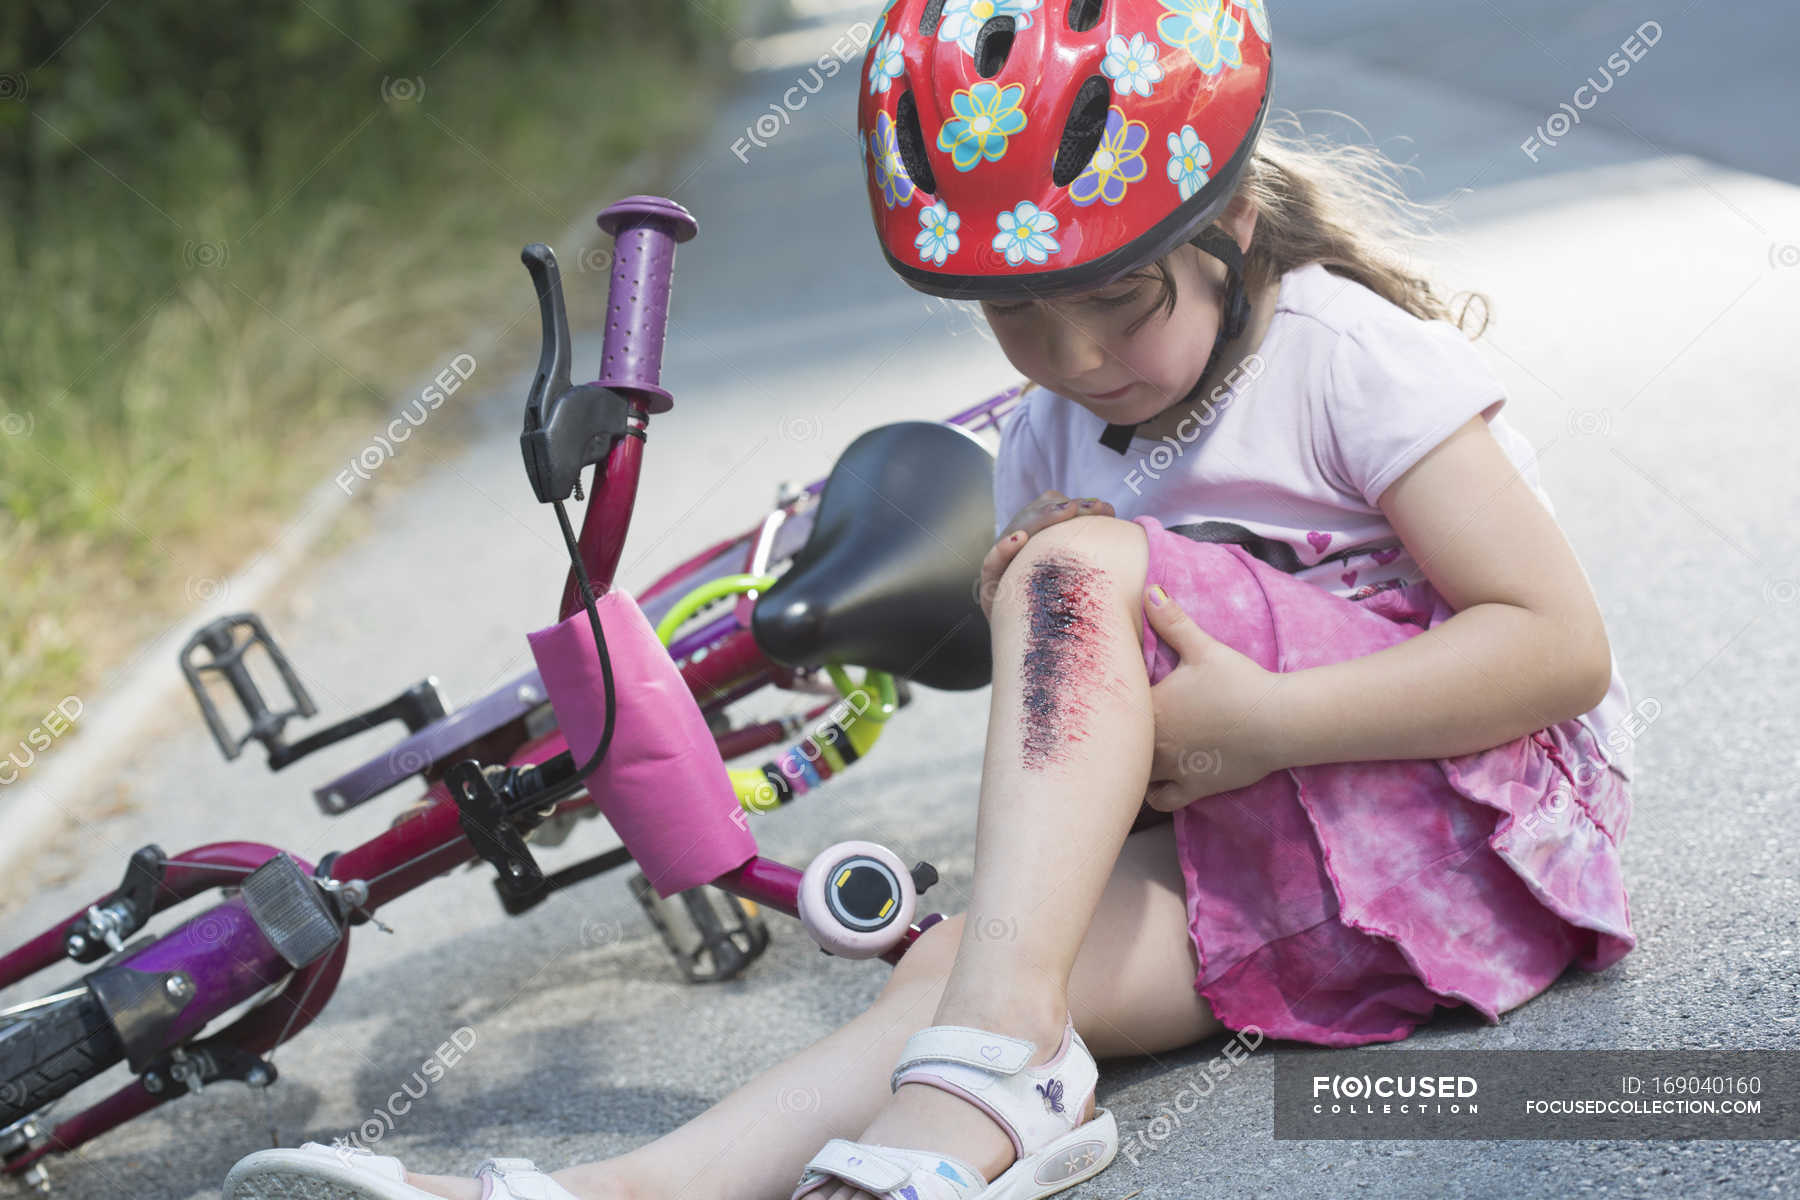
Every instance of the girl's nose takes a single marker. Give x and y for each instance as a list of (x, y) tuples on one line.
[(1072, 351)]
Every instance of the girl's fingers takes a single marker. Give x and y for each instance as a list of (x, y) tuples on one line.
[(1049, 509), (994, 565), (1042, 504), (1001, 553), (1174, 626), (1046, 510), (1056, 512)]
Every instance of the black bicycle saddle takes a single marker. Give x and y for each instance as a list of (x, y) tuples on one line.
[(887, 578)]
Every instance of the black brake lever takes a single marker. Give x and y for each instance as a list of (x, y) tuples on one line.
[(567, 428)]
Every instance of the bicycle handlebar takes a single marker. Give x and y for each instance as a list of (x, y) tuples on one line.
[(645, 230), (568, 428)]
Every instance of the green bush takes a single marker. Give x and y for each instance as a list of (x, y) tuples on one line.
[(229, 230)]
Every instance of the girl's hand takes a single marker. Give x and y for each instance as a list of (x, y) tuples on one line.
[(1209, 737), (1047, 510)]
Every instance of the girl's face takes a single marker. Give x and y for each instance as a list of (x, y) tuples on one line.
[(1085, 346)]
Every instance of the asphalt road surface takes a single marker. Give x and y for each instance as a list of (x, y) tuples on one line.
[(1644, 287)]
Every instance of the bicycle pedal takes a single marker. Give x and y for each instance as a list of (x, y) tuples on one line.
[(224, 655), (712, 934)]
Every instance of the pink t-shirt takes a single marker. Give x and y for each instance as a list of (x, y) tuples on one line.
[(1345, 394)]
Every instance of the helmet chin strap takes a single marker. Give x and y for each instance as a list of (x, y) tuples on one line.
[(1224, 247)]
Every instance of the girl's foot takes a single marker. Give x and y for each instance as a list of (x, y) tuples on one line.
[(314, 1169), (593, 1181), (929, 1118), (613, 1179), (451, 1187)]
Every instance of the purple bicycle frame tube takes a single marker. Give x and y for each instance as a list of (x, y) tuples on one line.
[(285, 1014), (220, 863), (228, 960), (682, 647), (226, 955), (980, 416)]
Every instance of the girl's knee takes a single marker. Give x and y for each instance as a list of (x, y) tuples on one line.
[(1108, 548), (1099, 537)]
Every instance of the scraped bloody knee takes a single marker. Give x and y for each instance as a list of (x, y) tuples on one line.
[(1064, 667)]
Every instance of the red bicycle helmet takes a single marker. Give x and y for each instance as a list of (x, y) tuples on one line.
[(1049, 146), (1039, 147)]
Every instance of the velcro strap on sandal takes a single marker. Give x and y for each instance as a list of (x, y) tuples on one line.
[(860, 1165), (1033, 1105), (963, 1044)]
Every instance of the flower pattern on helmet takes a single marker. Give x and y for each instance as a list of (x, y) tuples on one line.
[(963, 19), (986, 115), (1025, 234), (1118, 160), (1133, 65), (1259, 16), (881, 21), (938, 239), (1205, 30), (890, 172), (886, 63), (1189, 161)]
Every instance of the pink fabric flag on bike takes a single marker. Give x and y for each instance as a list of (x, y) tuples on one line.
[(662, 784)]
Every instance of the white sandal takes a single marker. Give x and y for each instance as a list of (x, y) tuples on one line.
[(1038, 1108), (316, 1172)]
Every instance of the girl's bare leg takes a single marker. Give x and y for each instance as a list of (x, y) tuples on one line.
[(1131, 992), (1069, 745), (1067, 762)]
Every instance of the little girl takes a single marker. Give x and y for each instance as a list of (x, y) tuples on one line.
[(1304, 720)]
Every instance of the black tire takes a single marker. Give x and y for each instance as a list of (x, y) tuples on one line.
[(48, 1052)]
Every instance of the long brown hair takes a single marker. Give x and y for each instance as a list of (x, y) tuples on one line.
[(1342, 206)]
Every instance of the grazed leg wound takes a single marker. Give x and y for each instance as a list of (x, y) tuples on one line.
[(1063, 670)]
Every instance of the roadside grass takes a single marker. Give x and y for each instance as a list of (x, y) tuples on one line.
[(177, 372)]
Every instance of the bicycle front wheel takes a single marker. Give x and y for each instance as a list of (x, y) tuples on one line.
[(52, 1049)]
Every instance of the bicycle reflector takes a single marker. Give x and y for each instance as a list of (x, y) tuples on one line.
[(291, 911)]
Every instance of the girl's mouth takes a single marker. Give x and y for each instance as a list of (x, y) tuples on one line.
[(1112, 395)]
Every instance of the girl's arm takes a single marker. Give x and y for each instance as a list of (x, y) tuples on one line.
[(1526, 648)]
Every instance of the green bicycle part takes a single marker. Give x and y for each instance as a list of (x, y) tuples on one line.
[(706, 593), (754, 792)]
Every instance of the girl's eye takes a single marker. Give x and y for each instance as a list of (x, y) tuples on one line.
[(1117, 300), (1008, 309)]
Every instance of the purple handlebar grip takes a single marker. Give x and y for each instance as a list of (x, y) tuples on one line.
[(645, 230)]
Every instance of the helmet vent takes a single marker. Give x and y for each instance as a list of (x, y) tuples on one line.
[(931, 18), (992, 45), (1081, 136), (909, 140), (1084, 14)]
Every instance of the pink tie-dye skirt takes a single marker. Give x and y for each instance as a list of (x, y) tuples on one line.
[(1341, 903)]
